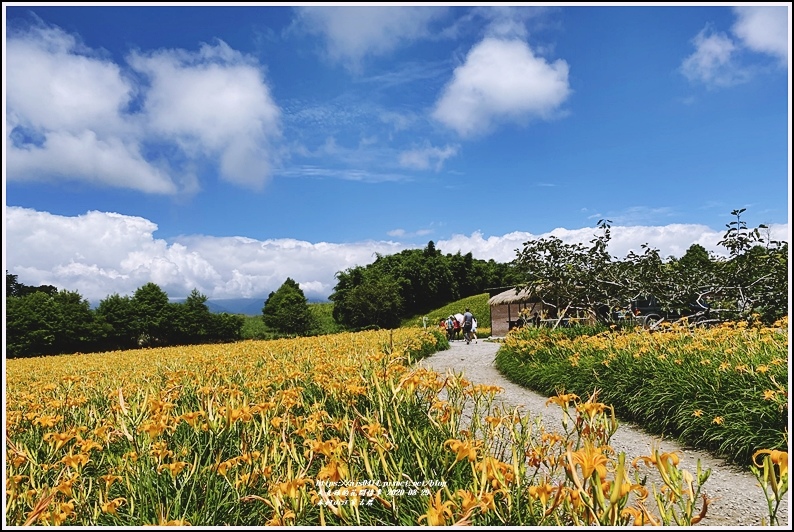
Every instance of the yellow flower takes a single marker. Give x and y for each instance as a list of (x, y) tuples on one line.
[(769, 395), (697, 413), (468, 500), (110, 479), (779, 458), (75, 460), (542, 492), (467, 449), (437, 511), (335, 470), (718, 420), (111, 507), (174, 468), (590, 459), (562, 399)]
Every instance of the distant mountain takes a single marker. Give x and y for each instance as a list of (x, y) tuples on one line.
[(243, 305), (248, 306)]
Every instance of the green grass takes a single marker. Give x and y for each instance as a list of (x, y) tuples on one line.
[(477, 304)]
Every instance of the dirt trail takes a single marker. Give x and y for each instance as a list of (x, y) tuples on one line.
[(739, 500)]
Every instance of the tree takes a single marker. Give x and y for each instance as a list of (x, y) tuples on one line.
[(752, 282), (152, 315), (192, 319), (372, 300), (286, 310), (15, 288), (76, 329), (116, 317), (31, 325)]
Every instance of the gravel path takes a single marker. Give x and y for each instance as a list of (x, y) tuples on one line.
[(739, 500)]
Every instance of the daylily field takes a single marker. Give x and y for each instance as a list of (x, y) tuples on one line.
[(341, 429)]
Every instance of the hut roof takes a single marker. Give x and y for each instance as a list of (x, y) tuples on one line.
[(525, 295)]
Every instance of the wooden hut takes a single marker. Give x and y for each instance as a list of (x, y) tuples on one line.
[(506, 308)]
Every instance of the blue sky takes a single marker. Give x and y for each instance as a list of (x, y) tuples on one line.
[(228, 148)]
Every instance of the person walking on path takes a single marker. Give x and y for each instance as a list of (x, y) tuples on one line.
[(467, 323), (450, 323)]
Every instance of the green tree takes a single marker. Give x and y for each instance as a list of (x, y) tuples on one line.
[(367, 298), (76, 329), (192, 320), (15, 288), (752, 282), (12, 285), (31, 325), (152, 315), (286, 310), (116, 316)]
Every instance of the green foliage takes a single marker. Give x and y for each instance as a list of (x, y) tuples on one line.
[(41, 323), (286, 310), (115, 314), (574, 278), (193, 323), (411, 283), (151, 314), (364, 298), (31, 323), (323, 319), (75, 329), (17, 289)]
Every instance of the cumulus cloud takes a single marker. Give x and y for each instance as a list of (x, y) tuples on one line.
[(98, 254), (212, 102), (119, 254), (72, 113), (501, 81), (764, 29), (715, 61), (353, 33)]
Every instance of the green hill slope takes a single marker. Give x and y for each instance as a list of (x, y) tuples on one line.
[(477, 304)]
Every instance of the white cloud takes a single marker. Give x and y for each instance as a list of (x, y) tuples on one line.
[(427, 157), (715, 61), (501, 81), (353, 33), (764, 29), (85, 157), (712, 62), (119, 254), (73, 114), (214, 101), (65, 116)]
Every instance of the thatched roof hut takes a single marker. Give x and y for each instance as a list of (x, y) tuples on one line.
[(507, 297), (506, 307)]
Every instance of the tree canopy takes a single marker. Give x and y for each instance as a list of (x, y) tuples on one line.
[(286, 310)]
